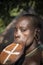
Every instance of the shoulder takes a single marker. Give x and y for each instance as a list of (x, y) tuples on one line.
[(41, 47), (42, 53), (42, 57)]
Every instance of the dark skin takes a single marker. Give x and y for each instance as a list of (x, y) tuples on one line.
[(25, 33)]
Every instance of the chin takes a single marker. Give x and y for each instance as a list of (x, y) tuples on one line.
[(28, 44)]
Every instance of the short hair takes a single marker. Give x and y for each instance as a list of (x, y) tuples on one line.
[(36, 20)]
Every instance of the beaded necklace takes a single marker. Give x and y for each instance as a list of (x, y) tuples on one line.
[(32, 52)]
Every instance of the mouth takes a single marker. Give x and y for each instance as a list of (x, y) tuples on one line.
[(17, 40)]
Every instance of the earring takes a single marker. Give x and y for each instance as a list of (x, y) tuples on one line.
[(37, 37)]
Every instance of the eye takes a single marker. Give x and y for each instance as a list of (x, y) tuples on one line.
[(15, 29), (23, 30)]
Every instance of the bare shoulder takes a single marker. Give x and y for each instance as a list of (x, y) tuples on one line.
[(42, 57), (42, 52)]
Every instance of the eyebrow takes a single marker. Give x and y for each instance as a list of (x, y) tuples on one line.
[(23, 27)]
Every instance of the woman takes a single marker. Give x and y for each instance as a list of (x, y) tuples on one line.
[(27, 30)]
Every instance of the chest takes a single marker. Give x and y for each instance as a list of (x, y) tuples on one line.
[(34, 60)]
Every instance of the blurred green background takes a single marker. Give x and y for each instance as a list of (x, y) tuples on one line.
[(12, 8)]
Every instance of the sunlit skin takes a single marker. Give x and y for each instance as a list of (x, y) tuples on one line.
[(25, 33)]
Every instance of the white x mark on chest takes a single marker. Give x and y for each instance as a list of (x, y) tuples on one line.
[(11, 52)]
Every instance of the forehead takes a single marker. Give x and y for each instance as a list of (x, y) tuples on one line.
[(23, 21)]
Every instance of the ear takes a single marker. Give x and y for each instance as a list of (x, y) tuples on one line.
[(37, 34), (37, 31)]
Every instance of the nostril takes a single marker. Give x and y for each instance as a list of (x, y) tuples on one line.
[(17, 36)]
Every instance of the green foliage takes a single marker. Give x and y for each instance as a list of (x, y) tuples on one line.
[(1, 22), (2, 29), (15, 12), (2, 26), (10, 8)]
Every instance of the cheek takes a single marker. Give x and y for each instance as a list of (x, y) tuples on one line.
[(26, 34), (23, 36), (29, 35)]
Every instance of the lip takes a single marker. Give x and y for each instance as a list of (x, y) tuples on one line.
[(17, 40)]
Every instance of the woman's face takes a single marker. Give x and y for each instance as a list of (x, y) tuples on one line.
[(23, 32)]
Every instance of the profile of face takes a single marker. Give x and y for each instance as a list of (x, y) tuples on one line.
[(23, 31)]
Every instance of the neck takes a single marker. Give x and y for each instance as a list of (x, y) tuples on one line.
[(31, 47)]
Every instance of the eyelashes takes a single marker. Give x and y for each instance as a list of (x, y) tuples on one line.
[(21, 29)]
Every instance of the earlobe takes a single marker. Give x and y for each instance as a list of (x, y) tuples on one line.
[(37, 31), (37, 34)]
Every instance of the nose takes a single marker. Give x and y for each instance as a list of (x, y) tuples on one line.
[(18, 34)]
